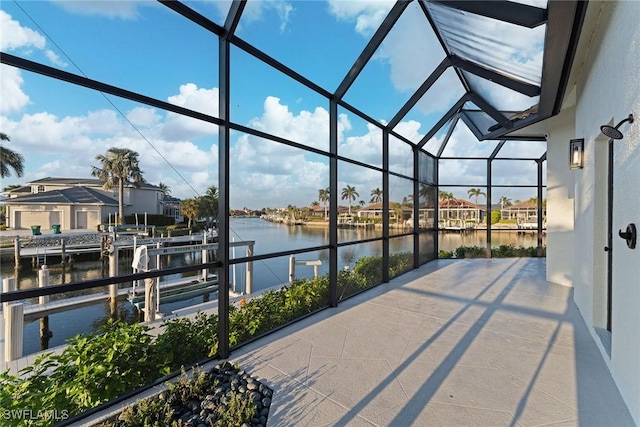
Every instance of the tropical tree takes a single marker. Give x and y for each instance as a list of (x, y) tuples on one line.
[(475, 192), (425, 194), (349, 193), (11, 187), (397, 211), (209, 204), (505, 201), (315, 204), (190, 209), (292, 210), (119, 166), (376, 195), (362, 203), (443, 195), (323, 196), (164, 188), (10, 159)]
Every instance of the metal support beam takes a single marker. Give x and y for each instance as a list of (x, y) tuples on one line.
[(539, 162), (385, 206), (452, 112), (416, 207), (233, 17), (488, 217), (447, 136), (223, 200), (372, 46), (441, 68), (35, 67), (491, 111), (501, 79), (333, 204), (193, 16)]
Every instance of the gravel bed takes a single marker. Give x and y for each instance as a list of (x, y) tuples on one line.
[(207, 409)]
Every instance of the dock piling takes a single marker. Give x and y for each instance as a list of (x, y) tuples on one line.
[(16, 252), (13, 330), (249, 272), (113, 272), (45, 332)]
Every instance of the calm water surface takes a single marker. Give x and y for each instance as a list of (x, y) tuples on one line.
[(268, 237)]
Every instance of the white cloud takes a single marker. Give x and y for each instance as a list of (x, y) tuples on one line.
[(55, 59), (123, 9), (13, 98), (310, 128), (197, 99), (14, 36), (367, 14), (255, 10)]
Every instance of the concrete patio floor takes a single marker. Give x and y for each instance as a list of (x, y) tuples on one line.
[(455, 343)]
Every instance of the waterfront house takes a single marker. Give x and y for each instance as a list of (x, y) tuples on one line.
[(522, 211), (75, 203), (460, 209)]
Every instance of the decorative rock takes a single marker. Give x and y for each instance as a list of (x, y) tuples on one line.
[(266, 402)]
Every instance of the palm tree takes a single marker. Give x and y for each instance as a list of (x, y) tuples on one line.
[(315, 204), (10, 159), (443, 195), (475, 192), (397, 211), (504, 201), (164, 188), (376, 195), (119, 166), (323, 196), (209, 204), (190, 208), (349, 193)]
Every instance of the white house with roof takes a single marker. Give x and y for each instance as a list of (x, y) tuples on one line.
[(75, 203)]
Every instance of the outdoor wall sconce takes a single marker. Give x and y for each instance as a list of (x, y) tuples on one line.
[(631, 235), (576, 154)]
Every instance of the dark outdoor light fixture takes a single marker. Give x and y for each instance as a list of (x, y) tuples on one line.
[(613, 132), (576, 154)]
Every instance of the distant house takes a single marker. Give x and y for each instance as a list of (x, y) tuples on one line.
[(522, 211), (374, 211), (460, 209), (171, 208), (75, 203)]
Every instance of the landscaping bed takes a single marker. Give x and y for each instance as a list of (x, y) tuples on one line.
[(221, 396)]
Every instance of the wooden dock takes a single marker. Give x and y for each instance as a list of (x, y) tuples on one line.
[(34, 312)]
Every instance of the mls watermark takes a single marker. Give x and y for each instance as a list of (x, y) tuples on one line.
[(32, 414)]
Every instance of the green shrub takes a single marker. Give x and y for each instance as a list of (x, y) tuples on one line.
[(152, 219), (445, 254), (495, 217), (470, 252)]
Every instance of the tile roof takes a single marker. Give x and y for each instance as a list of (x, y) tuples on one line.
[(74, 195)]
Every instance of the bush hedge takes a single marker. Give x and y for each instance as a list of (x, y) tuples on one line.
[(502, 251)]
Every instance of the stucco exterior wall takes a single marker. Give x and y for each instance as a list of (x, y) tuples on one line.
[(607, 91), (560, 199)]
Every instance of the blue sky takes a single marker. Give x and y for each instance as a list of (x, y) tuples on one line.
[(145, 47)]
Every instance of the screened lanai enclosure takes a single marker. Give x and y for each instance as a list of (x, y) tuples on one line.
[(416, 105)]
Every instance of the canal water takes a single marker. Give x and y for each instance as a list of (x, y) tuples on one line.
[(269, 238)]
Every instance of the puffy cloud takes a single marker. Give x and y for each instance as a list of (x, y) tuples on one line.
[(14, 36), (196, 99), (255, 11), (368, 15), (310, 128), (13, 98)]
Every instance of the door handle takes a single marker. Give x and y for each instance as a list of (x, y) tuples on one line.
[(606, 248)]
